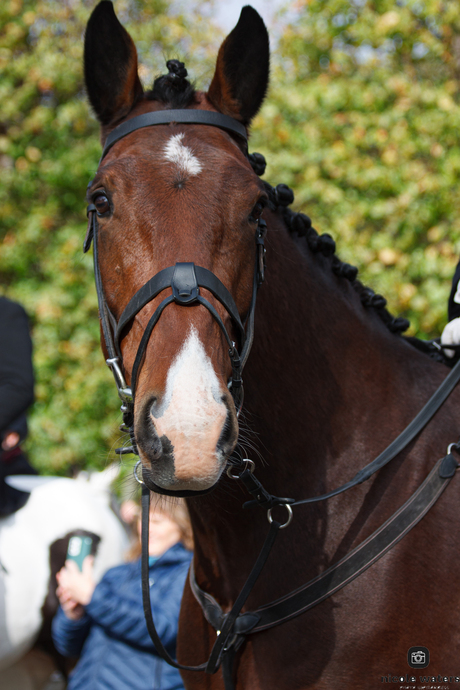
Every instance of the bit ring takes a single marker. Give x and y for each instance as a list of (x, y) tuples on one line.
[(136, 476), (288, 521)]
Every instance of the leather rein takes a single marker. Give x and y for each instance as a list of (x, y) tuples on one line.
[(185, 280)]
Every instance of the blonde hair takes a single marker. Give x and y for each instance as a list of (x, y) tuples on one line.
[(176, 510)]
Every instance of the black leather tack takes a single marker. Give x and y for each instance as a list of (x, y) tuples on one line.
[(448, 466), (185, 116), (184, 283)]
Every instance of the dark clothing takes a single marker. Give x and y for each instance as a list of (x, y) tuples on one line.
[(115, 649), (13, 462), (454, 298), (16, 373), (16, 395)]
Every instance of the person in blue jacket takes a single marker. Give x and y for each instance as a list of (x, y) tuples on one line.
[(104, 626)]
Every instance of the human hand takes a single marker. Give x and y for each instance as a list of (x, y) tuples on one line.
[(71, 608), (74, 585), (10, 440)]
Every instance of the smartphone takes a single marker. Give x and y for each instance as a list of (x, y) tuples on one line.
[(78, 549)]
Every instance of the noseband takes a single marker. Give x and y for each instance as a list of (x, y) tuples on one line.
[(184, 280)]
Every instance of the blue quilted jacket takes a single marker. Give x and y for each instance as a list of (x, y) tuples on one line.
[(111, 640)]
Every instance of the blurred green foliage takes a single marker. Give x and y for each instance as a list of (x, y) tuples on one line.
[(49, 150), (361, 120)]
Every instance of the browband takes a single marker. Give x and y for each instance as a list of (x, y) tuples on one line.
[(166, 117)]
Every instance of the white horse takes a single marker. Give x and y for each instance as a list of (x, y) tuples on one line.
[(55, 507)]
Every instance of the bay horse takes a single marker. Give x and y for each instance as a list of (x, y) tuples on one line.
[(329, 381)]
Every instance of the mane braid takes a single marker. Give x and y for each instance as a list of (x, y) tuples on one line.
[(300, 224), (173, 89)]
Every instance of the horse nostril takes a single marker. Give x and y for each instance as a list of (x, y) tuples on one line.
[(228, 435), (167, 448), (156, 408)]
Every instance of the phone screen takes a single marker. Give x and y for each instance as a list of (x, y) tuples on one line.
[(78, 549)]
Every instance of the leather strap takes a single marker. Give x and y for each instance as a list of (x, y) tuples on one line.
[(404, 438), (168, 278), (228, 620), (166, 117), (147, 605), (103, 308), (223, 642), (347, 569)]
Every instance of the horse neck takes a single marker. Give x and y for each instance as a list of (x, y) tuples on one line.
[(319, 362), (321, 370)]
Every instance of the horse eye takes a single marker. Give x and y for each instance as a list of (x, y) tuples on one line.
[(102, 204), (257, 212)]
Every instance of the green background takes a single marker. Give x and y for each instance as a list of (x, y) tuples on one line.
[(361, 120)]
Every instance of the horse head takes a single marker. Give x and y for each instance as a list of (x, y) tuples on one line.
[(177, 207)]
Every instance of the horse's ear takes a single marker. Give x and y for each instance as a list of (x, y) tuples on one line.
[(241, 77), (112, 82)]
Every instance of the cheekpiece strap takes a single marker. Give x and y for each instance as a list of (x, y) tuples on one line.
[(91, 215)]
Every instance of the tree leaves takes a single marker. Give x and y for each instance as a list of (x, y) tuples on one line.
[(49, 149), (362, 120)]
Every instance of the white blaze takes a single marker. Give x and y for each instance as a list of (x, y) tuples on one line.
[(192, 414), (176, 152)]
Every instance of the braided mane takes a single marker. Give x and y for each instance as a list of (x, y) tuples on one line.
[(300, 224), (173, 89)]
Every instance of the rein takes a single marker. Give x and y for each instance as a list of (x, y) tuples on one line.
[(185, 280)]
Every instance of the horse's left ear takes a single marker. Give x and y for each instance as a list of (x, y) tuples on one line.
[(240, 81)]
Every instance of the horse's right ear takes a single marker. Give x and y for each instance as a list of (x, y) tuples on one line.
[(110, 58)]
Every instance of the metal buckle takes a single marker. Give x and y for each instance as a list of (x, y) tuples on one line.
[(290, 515), (452, 445)]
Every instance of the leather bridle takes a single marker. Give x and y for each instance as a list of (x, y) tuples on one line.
[(184, 280)]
